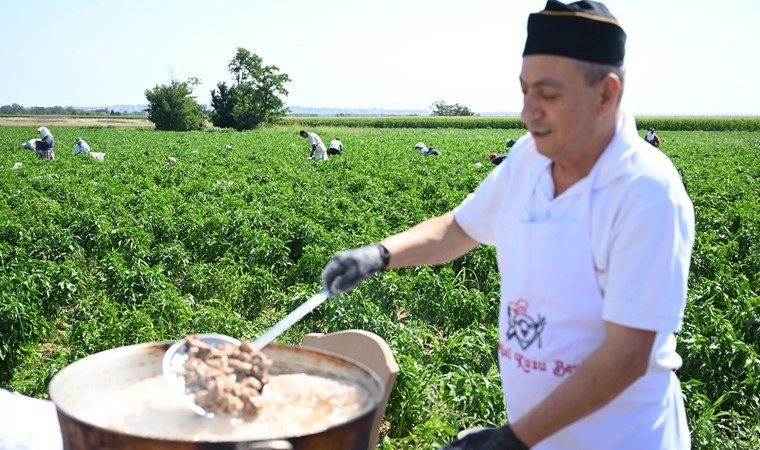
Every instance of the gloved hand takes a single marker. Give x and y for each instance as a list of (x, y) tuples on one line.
[(349, 268), (501, 438)]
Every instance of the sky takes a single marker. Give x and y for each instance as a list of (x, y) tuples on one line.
[(683, 57)]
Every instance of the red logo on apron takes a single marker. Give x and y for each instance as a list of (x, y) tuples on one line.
[(521, 327)]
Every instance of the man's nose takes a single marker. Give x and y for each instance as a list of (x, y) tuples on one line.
[(532, 109)]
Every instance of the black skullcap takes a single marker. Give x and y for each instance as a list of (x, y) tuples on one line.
[(583, 30)]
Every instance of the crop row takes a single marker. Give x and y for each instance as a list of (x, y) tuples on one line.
[(515, 123)]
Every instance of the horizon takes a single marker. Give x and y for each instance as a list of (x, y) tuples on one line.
[(411, 112)]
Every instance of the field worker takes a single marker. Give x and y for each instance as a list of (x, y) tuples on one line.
[(44, 146), (318, 150), (335, 147), (652, 138), (81, 146), (593, 232), (432, 151), (498, 159)]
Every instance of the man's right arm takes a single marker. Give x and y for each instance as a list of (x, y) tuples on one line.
[(434, 241)]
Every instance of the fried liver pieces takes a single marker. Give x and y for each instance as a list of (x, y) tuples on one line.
[(227, 379)]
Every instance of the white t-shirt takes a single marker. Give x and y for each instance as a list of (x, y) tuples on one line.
[(28, 423), (320, 151), (314, 139), (642, 229), (335, 143)]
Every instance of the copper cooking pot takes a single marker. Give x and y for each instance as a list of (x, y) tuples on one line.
[(79, 389)]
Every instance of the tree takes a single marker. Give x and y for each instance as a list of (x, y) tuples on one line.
[(222, 106), (172, 107), (254, 96), (441, 108), (14, 108)]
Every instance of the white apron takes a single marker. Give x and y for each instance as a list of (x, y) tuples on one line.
[(550, 321)]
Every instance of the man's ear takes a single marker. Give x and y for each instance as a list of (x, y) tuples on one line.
[(609, 88)]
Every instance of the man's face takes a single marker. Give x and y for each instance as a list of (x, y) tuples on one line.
[(559, 108)]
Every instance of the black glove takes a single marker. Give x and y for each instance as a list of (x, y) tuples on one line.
[(489, 439), (349, 268)]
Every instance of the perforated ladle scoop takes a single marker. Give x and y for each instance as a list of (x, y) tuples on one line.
[(176, 354)]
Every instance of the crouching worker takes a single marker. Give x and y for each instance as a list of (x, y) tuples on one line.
[(652, 138), (432, 151), (81, 146), (497, 159), (335, 147), (43, 146), (318, 150)]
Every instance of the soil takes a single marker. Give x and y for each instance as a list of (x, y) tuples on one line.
[(72, 122)]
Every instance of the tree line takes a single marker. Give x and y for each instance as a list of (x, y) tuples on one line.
[(253, 98), (19, 110)]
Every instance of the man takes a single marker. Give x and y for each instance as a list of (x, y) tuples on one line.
[(81, 146), (652, 138), (498, 159), (45, 146), (432, 151), (335, 147), (593, 232), (318, 150)]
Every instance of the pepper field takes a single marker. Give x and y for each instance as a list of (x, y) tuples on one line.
[(131, 250)]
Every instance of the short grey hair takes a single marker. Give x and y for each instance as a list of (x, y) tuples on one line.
[(594, 73)]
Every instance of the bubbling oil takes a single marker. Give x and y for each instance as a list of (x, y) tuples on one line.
[(293, 405)]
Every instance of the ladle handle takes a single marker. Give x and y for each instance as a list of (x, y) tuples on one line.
[(291, 318)]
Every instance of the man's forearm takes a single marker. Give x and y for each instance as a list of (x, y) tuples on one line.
[(434, 241), (613, 367)]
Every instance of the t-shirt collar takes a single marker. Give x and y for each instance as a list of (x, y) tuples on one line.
[(618, 150)]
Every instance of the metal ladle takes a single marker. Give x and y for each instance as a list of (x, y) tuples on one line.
[(176, 354)]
